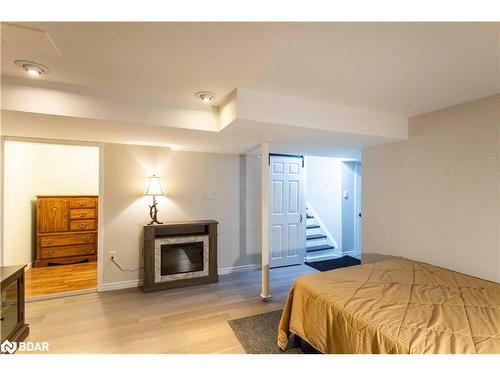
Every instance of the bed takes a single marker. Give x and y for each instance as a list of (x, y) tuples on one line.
[(393, 306)]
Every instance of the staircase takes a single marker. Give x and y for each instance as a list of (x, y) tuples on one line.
[(318, 246)]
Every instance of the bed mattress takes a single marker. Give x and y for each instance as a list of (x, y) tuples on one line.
[(393, 306)]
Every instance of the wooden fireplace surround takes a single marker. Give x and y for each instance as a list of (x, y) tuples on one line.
[(179, 229)]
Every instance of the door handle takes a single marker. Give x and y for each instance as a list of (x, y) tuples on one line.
[(300, 218)]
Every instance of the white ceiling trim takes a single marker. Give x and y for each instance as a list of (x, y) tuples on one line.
[(248, 105), (52, 99), (239, 138), (269, 108)]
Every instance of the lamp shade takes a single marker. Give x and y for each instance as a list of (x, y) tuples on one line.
[(154, 186)]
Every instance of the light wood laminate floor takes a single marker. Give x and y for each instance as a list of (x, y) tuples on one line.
[(183, 320), (41, 281)]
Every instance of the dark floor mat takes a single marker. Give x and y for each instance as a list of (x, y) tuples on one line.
[(331, 264), (258, 334)]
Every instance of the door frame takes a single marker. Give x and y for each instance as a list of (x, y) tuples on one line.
[(100, 212), (302, 248), (358, 194)]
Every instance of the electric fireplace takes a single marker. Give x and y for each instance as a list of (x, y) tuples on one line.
[(180, 254)]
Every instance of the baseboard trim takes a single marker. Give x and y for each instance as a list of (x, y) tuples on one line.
[(137, 283), (121, 285), (236, 269)]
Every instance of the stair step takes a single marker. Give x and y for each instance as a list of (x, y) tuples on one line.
[(315, 236), (310, 249), (309, 216), (312, 226)]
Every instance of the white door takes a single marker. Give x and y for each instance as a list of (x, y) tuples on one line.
[(286, 211), (357, 209)]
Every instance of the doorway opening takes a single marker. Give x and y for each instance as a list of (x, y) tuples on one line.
[(314, 209), (51, 204), (351, 208)]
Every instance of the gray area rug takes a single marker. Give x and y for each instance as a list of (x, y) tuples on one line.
[(258, 334)]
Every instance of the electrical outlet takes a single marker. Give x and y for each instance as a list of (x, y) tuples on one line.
[(112, 254)]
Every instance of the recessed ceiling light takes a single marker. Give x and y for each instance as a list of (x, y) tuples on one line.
[(205, 96), (32, 68)]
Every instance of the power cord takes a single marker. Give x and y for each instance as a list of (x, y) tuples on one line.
[(123, 269)]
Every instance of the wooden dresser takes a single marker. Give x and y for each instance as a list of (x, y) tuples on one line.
[(66, 229)]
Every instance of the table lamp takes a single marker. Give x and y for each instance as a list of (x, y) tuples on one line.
[(154, 188)]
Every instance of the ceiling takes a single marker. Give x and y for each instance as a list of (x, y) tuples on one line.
[(397, 68)]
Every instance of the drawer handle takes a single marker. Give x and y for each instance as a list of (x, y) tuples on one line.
[(49, 252), (83, 214), (82, 203), (82, 226), (87, 250), (87, 239), (49, 242)]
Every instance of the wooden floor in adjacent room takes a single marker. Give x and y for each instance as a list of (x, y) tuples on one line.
[(184, 320), (41, 281)]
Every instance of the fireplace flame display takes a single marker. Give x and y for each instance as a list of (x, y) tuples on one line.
[(181, 258)]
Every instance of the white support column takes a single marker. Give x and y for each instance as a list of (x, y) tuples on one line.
[(264, 148)]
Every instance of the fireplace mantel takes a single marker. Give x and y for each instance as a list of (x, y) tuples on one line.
[(201, 232)]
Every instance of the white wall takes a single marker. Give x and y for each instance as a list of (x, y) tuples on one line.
[(189, 179), (435, 198), (323, 193), (33, 169)]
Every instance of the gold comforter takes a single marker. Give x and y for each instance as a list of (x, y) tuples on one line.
[(394, 306)]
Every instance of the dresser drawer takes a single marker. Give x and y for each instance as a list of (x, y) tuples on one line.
[(82, 203), (82, 225), (82, 213), (66, 251), (67, 239)]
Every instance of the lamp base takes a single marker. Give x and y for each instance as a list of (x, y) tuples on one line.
[(154, 222), (153, 213)]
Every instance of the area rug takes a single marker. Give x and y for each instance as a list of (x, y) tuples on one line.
[(331, 264), (258, 335)]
